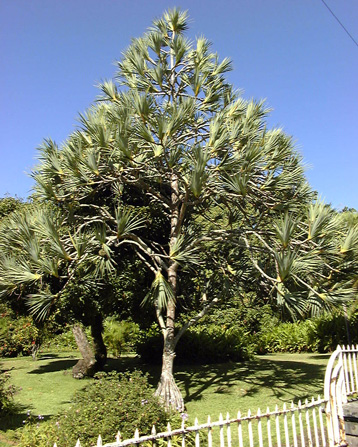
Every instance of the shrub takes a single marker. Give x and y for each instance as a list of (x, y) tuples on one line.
[(120, 336), (103, 407), (6, 392), (288, 337), (331, 330), (17, 336), (204, 343)]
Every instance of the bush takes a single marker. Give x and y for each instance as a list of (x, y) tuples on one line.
[(120, 336), (288, 337), (17, 336), (203, 344), (6, 393), (103, 407), (331, 330)]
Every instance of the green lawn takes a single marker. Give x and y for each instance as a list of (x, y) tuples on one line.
[(47, 384)]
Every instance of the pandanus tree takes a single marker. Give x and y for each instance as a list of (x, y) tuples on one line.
[(173, 164)]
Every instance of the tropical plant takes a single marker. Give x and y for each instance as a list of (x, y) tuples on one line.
[(172, 164), (7, 392)]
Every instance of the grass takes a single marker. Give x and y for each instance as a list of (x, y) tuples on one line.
[(47, 384)]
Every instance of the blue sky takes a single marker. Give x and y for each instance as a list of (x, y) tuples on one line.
[(291, 52)]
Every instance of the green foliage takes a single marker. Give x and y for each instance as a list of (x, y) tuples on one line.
[(120, 336), (108, 404), (8, 205), (331, 330), (6, 392), (17, 335), (214, 344), (205, 343), (62, 341), (288, 337)]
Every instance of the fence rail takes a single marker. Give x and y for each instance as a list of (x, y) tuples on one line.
[(315, 423)]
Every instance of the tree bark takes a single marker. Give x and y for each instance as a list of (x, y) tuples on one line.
[(100, 350), (167, 390), (87, 365)]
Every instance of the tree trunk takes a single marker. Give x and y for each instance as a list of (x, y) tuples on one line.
[(87, 365), (100, 350), (167, 390)]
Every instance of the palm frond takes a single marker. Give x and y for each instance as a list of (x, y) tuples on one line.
[(127, 221), (181, 252), (160, 293), (40, 304)]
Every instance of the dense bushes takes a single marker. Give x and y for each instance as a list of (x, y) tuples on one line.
[(231, 334), (103, 407), (200, 344), (288, 337), (235, 334)]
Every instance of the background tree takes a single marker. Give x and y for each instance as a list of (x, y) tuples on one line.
[(174, 165)]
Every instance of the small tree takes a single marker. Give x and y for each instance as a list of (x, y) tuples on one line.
[(172, 163)]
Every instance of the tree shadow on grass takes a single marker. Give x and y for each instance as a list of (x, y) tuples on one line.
[(283, 378), (56, 365)]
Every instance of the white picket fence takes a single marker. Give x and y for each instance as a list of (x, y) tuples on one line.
[(298, 426), (315, 423), (340, 386)]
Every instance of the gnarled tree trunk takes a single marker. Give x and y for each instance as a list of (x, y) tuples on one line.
[(167, 389), (87, 365)]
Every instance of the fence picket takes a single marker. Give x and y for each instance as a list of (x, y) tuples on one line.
[(277, 423), (300, 424), (308, 424), (345, 370), (323, 435), (251, 437), (169, 430), (228, 430), (285, 424), (154, 432), (99, 441), (210, 433), (197, 434), (355, 371), (239, 429), (221, 426), (294, 432), (268, 425), (315, 425), (259, 427), (183, 434), (351, 379)]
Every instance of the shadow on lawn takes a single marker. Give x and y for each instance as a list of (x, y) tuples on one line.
[(56, 365), (278, 375), (18, 419)]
